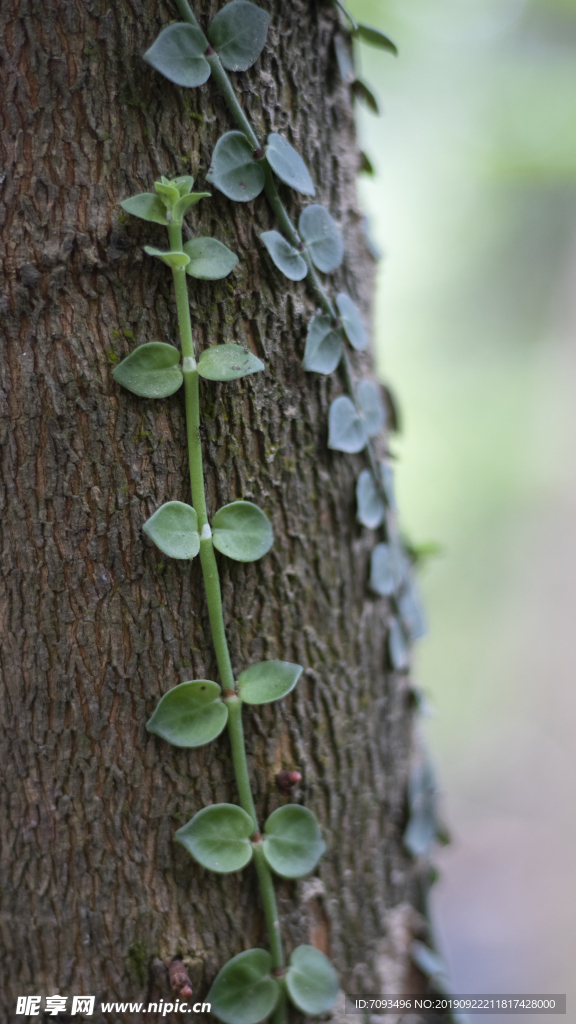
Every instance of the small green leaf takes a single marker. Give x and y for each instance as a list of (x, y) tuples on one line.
[(388, 568), (430, 963), (344, 60), (289, 165), (412, 612), (242, 532), (190, 714), (147, 206), (352, 321), (210, 260), (370, 505), (185, 202), (233, 169), (323, 345), (173, 259), (322, 236), (292, 841), (184, 184), (178, 54), (174, 529), (371, 407), (238, 34), (346, 431), (360, 91), (311, 981), (375, 38), (244, 991), (285, 256), (218, 837), (365, 165), (151, 370), (267, 681), (397, 646), (228, 362), (168, 192), (422, 827)]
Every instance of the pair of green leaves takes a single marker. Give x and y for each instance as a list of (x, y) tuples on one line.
[(244, 992), (324, 349), (240, 530), (237, 33), (349, 427), (192, 714), (322, 238), (219, 838), (153, 370), (240, 175), (168, 204), (206, 259)]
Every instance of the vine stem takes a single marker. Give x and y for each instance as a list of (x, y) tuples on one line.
[(225, 87), (215, 612)]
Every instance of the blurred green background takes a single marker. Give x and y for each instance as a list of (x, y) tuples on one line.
[(474, 207)]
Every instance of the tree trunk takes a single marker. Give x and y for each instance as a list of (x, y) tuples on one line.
[(96, 624)]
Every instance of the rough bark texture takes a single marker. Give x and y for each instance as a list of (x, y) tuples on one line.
[(95, 624)]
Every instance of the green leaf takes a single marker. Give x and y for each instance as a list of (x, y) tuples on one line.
[(168, 192), (422, 827), (344, 60), (210, 260), (174, 529), (173, 259), (267, 681), (184, 184), (370, 505), (190, 714), (365, 165), (218, 837), (178, 54), (346, 431), (371, 407), (388, 568), (322, 236), (375, 38), (292, 841), (242, 532), (147, 206), (244, 991), (429, 962), (311, 981), (412, 612), (397, 646), (352, 321), (238, 34), (360, 91), (228, 362), (185, 202), (233, 169), (285, 256), (151, 370), (289, 165), (323, 345)]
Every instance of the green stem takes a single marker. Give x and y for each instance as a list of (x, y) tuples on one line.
[(186, 12), (223, 83), (215, 612), (270, 906), (236, 734)]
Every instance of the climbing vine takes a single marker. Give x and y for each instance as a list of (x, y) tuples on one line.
[(227, 837)]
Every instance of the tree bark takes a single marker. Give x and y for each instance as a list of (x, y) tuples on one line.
[(96, 624)]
